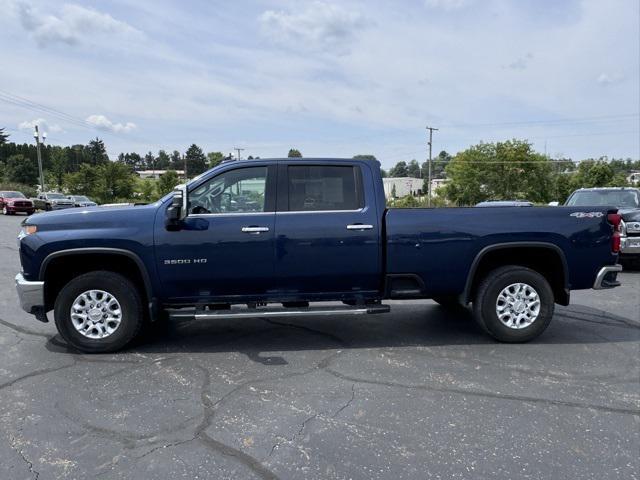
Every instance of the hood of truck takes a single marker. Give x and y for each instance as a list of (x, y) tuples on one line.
[(630, 214), (82, 217)]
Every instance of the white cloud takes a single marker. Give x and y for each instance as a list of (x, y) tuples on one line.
[(103, 123), (320, 26), (71, 25), (608, 79), (43, 125)]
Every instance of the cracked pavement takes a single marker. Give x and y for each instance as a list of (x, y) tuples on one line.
[(417, 393)]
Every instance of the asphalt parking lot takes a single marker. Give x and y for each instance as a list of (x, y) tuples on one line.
[(417, 393)]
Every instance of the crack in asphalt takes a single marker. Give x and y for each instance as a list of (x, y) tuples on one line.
[(35, 373), (346, 405), (200, 432), (618, 322), (13, 442), (478, 393), (23, 330)]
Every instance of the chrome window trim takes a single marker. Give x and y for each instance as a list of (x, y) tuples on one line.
[(359, 210), (199, 215)]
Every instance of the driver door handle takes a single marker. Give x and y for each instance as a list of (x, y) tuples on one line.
[(255, 229), (359, 226)]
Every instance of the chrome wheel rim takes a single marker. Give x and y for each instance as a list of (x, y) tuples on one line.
[(518, 305), (96, 314)]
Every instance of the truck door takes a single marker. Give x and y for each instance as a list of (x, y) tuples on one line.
[(225, 248), (327, 231)]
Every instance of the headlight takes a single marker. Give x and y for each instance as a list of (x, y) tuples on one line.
[(26, 230)]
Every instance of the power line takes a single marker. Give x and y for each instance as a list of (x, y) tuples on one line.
[(238, 149)]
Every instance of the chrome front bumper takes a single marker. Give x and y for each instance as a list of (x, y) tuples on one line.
[(630, 245), (607, 277), (31, 294)]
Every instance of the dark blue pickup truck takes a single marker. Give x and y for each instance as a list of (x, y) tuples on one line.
[(267, 237)]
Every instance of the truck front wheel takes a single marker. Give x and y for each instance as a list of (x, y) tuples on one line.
[(513, 304), (99, 311)]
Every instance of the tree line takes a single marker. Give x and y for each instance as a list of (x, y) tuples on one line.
[(510, 170)]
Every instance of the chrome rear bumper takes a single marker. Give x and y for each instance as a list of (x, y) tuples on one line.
[(607, 277), (30, 294)]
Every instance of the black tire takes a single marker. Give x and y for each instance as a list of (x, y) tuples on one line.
[(119, 287), (448, 301), (486, 297), (47, 208)]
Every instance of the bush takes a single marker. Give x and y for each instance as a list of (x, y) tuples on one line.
[(28, 190)]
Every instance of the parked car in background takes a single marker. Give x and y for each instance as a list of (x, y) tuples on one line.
[(13, 202), (81, 201), (52, 201), (505, 203), (628, 202)]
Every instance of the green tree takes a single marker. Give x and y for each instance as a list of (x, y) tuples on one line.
[(177, 162), (59, 166), (195, 160), (215, 158), (84, 181), (146, 189), (150, 161), (167, 182), (115, 182), (21, 169), (365, 157), (413, 169), (96, 152), (399, 170), (499, 171), (294, 153), (3, 136), (163, 161)]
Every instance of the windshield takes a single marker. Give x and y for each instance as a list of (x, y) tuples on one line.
[(55, 195), (81, 198), (614, 198), (12, 195)]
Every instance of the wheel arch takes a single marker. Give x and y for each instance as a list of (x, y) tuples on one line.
[(525, 254), (81, 260)]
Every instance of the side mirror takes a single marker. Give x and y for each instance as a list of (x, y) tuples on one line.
[(177, 211), (554, 204)]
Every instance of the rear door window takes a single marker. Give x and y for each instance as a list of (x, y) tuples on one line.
[(318, 188)]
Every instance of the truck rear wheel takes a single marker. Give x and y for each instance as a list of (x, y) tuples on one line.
[(99, 311), (514, 304)]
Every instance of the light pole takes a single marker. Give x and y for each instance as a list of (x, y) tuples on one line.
[(36, 135), (431, 129)]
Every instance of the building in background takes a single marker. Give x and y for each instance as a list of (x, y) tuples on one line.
[(402, 186), (156, 174), (634, 177)]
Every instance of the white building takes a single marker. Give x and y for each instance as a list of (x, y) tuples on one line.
[(437, 183), (634, 178), (155, 174), (403, 186)]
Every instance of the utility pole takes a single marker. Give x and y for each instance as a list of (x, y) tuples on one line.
[(431, 129), (238, 150), (36, 135)]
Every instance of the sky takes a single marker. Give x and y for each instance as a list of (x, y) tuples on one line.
[(328, 77)]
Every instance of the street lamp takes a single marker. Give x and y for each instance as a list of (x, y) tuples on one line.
[(40, 139)]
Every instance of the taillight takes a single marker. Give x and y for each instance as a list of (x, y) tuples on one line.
[(615, 219)]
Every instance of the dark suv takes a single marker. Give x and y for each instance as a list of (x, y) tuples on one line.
[(628, 202)]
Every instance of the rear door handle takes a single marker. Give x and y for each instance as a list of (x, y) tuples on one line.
[(255, 229), (359, 226)]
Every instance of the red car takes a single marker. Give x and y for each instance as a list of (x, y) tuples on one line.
[(12, 202)]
